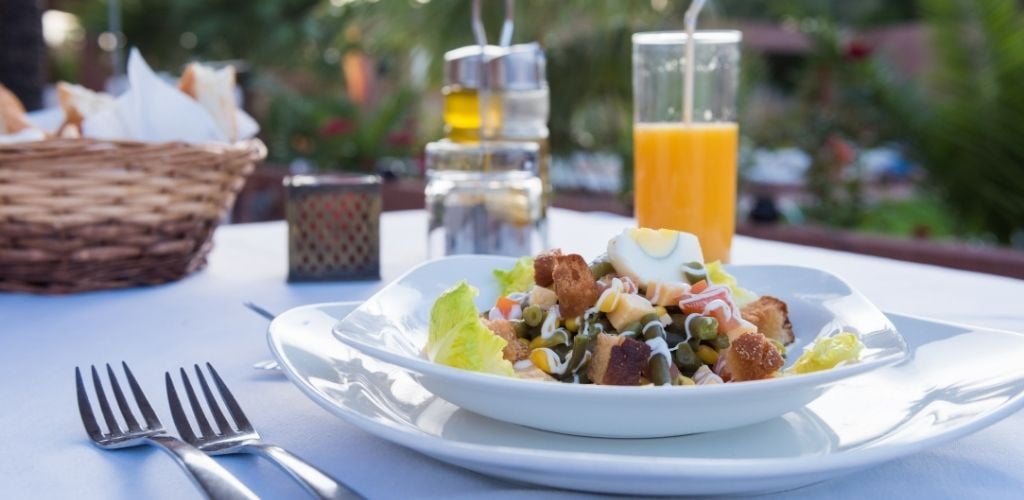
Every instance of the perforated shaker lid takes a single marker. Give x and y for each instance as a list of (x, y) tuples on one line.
[(516, 67)]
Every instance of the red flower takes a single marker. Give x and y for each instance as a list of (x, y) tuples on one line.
[(857, 50), (400, 138), (335, 127)]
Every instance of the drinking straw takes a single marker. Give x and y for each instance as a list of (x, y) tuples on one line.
[(484, 90), (690, 19)]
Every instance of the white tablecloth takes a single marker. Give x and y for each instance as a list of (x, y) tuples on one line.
[(45, 452)]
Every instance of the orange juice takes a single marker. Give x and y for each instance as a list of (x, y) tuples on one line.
[(686, 180)]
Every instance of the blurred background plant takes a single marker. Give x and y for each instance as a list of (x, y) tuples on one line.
[(894, 117)]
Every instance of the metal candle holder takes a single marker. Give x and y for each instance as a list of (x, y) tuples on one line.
[(333, 227)]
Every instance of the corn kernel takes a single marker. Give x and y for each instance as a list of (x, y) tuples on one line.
[(611, 298), (708, 355), (558, 337), (539, 358), (683, 380), (572, 324), (661, 311)]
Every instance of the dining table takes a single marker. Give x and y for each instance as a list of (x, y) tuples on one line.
[(201, 318)]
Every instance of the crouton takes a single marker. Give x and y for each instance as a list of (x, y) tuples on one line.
[(618, 360), (753, 357), (771, 316), (629, 308), (575, 286), (542, 297), (544, 266), (516, 348)]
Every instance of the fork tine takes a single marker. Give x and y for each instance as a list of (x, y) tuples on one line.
[(92, 428), (177, 412), (152, 422), (211, 402), (229, 401), (108, 414), (197, 410), (122, 403)]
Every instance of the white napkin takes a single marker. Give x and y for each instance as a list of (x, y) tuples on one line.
[(154, 111), (26, 135)]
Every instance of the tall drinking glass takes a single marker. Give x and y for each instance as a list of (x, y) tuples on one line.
[(685, 171)]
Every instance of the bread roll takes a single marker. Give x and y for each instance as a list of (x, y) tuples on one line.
[(214, 90), (12, 113), (80, 103)]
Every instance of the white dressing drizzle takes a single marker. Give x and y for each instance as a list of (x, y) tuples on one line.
[(558, 366), (659, 346), (650, 324), (522, 364), (686, 326), (654, 292), (516, 312), (547, 329), (519, 297)]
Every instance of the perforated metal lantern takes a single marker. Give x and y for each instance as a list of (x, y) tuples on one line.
[(333, 227)]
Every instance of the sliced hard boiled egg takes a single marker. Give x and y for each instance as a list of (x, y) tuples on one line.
[(653, 255)]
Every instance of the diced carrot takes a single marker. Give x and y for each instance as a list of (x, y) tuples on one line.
[(505, 305), (694, 305), (699, 286), (726, 322)]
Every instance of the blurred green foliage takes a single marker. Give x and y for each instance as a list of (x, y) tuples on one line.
[(963, 125), (968, 131)]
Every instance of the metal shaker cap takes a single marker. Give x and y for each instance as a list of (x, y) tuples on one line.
[(516, 67)]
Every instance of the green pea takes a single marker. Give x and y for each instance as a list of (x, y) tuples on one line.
[(522, 330), (533, 315), (704, 327), (722, 342), (601, 268), (686, 359)]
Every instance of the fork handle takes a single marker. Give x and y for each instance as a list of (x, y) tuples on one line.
[(316, 481), (214, 481)]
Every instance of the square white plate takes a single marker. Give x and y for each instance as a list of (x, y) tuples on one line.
[(392, 326)]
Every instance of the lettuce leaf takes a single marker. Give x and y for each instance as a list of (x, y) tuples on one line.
[(458, 338), (718, 276), (517, 279), (827, 352)]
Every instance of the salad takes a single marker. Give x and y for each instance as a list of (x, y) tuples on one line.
[(648, 312)]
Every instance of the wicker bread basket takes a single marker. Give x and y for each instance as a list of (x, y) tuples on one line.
[(82, 214)]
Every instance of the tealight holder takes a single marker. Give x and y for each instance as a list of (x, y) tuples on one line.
[(333, 227)]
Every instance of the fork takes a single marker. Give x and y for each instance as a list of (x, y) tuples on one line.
[(243, 440), (212, 479)]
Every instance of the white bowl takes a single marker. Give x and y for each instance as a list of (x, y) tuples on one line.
[(392, 326)]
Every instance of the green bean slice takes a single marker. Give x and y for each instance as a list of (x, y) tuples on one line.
[(660, 374), (686, 359)]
